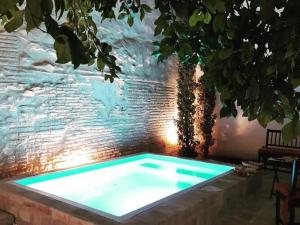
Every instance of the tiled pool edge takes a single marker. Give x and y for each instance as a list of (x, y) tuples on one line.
[(25, 182), (199, 206)]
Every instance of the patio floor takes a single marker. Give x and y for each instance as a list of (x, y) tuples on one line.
[(259, 208)]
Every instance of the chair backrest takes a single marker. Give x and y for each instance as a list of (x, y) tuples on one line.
[(274, 139), (294, 176)]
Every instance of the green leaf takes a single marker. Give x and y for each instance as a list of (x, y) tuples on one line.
[(291, 130), (52, 27), (218, 23), (122, 16), (158, 29), (100, 63), (225, 94), (63, 50), (15, 22), (130, 20), (181, 10), (271, 69), (264, 118), (59, 6), (207, 18), (7, 5), (78, 52), (193, 20), (267, 9), (179, 27), (279, 119), (290, 51), (185, 50), (47, 7), (225, 53), (285, 104), (146, 8), (225, 112), (210, 5), (91, 62), (142, 14), (283, 98), (252, 91), (239, 78), (92, 24), (108, 76), (220, 6), (197, 16), (33, 14)]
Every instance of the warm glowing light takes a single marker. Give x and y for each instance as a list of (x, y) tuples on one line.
[(74, 160), (172, 136)]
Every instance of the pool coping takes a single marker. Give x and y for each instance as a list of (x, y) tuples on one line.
[(134, 212), (185, 204)]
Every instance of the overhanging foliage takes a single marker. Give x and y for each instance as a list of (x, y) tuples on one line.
[(249, 49), (72, 27)]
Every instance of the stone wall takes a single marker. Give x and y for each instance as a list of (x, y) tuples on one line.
[(52, 116)]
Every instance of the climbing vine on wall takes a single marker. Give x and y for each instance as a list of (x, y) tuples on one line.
[(206, 116), (186, 110)]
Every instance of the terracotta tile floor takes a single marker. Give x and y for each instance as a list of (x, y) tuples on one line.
[(259, 209)]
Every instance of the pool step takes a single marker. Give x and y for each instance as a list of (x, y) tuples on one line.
[(6, 218)]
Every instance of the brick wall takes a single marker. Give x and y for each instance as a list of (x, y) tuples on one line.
[(53, 117)]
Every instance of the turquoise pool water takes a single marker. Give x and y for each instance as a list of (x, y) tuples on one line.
[(124, 186)]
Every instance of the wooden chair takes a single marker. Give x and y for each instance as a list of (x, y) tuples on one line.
[(290, 195), (276, 147)]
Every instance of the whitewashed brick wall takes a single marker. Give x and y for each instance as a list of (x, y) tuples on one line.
[(53, 117)]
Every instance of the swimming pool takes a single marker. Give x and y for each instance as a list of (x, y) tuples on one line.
[(121, 188)]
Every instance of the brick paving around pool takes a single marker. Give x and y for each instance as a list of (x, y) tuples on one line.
[(197, 206)]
